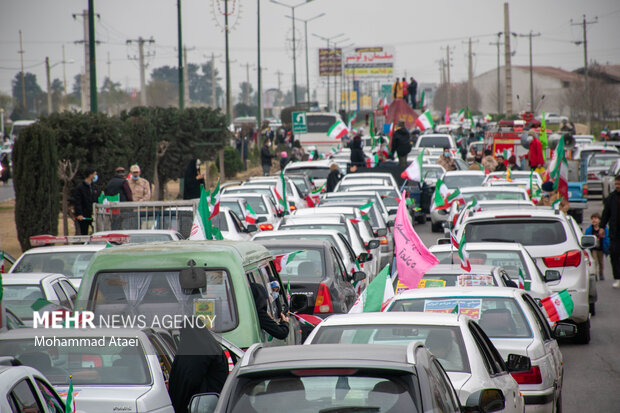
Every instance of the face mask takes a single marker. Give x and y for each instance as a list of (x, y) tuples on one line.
[(135, 178), (274, 295), (96, 178)]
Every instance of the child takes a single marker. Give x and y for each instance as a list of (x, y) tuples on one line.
[(602, 246)]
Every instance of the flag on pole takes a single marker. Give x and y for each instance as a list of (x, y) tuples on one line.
[(521, 280), (372, 161), (70, 402), (543, 134), (250, 215), (422, 104), (365, 209), (463, 255), (214, 201), (201, 227), (377, 295), (372, 128), (425, 121), (280, 261), (351, 119), (558, 170), (441, 193), (414, 170), (461, 115), (337, 130), (280, 192), (336, 149), (473, 205), (559, 306), (447, 120)]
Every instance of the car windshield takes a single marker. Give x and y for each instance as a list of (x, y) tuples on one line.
[(300, 183), (585, 154), (154, 294), (305, 263), (19, 298), (432, 173), (261, 182), (509, 260), (372, 212), (605, 161), (312, 173), (445, 342), (342, 228), (233, 206), (530, 232), (434, 142), (70, 263), (329, 393), (499, 317), (237, 190), (461, 181), (495, 196), (100, 364)]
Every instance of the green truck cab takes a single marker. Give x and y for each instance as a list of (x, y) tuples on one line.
[(142, 283)]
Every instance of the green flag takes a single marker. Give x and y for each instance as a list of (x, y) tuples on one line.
[(70, 404), (543, 135)]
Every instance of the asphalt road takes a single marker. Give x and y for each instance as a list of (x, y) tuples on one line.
[(591, 372), (6, 191)]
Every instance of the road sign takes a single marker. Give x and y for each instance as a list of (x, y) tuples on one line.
[(299, 122)]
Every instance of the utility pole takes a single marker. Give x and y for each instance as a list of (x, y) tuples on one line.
[(213, 88), (279, 75), (91, 54), (470, 73), (142, 64), (109, 62), (49, 85), (228, 111), (584, 25), (499, 99), (64, 71), (530, 35), (186, 76), (21, 56), (507, 58), (447, 76), (259, 91), (85, 81), (180, 56)]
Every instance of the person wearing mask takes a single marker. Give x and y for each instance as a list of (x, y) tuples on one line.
[(83, 198), (333, 178), (358, 158), (200, 366), (477, 164), (446, 160), (278, 329), (140, 187), (401, 144), (118, 185), (265, 157), (193, 180), (611, 218), (489, 163)]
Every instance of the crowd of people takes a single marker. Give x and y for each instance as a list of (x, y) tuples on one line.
[(401, 89)]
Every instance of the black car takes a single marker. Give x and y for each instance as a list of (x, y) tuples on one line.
[(337, 378)]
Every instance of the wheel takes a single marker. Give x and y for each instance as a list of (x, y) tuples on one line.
[(436, 227), (583, 333), (592, 309)]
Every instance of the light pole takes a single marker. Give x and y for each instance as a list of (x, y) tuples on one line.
[(305, 21), (336, 101), (294, 57), (49, 80), (328, 39)]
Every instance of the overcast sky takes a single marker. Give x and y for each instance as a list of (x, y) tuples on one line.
[(419, 31)]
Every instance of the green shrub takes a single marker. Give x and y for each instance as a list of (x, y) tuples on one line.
[(232, 162)]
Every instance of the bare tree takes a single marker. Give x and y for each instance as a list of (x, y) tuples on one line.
[(66, 173)]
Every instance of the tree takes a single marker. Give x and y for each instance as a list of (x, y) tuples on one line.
[(245, 94), (458, 97), (198, 79), (6, 102), (58, 91), (162, 93), (76, 90), (301, 93), (204, 88), (113, 98), (33, 90), (35, 179), (241, 109)]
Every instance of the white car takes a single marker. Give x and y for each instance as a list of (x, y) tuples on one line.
[(24, 389), (70, 260), (463, 349), (434, 143), (552, 118), (457, 215), (515, 176), (511, 257), (585, 151), (231, 226), (389, 195), (127, 375), (462, 179), (514, 323), (365, 177), (263, 207), (146, 235), (550, 238), (317, 171), (22, 290), (293, 196)]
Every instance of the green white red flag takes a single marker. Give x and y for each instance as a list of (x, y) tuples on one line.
[(558, 170), (414, 170), (214, 201), (280, 194), (365, 209), (443, 198), (250, 215), (337, 130), (377, 295), (201, 227), (372, 161), (463, 255), (280, 261), (521, 279), (70, 401), (1, 270), (425, 121), (559, 306)]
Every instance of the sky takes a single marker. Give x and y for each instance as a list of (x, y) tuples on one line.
[(420, 31)]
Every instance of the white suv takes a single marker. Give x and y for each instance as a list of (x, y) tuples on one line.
[(550, 238)]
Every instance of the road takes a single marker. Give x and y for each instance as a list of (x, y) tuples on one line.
[(591, 372), (6, 191)]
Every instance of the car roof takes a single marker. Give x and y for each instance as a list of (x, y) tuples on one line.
[(473, 173), (320, 164), (322, 218), (23, 278), (300, 244), (597, 146), (361, 175), (476, 246), (325, 210), (370, 188), (239, 195), (287, 233), (531, 212), (369, 181), (458, 292), (396, 317), (66, 248), (138, 231)]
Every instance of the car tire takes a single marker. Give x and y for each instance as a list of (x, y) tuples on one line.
[(592, 309), (437, 227), (583, 333)]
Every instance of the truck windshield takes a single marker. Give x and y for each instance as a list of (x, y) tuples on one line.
[(320, 123), (434, 142)]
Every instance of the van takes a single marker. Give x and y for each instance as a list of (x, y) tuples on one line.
[(188, 278), (318, 124)]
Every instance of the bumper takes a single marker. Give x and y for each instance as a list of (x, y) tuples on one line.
[(595, 186), (578, 204), (539, 402)]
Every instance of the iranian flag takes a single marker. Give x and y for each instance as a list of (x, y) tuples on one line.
[(559, 306), (70, 402), (473, 205), (1, 270), (558, 170), (371, 126), (337, 130), (201, 227), (414, 170), (311, 156), (214, 201), (365, 209), (355, 220), (336, 149), (42, 305), (425, 121), (534, 196), (250, 215), (377, 295), (351, 119), (441, 195), (280, 192), (461, 115), (280, 261), (521, 280), (422, 105), (316, 193), (372, 161), (463, 255)]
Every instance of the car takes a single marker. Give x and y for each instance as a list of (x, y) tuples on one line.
[(435, 143), (514, 323), (458, 212), (22, 290), (9, 261), (388, 194), (552, 118), (354, 193), (70, 260), (550, 238), (463, 349), (585, 151), (387, 178), (522, 176), (316, 171), (267, 190), (598, 166), (107, 377), (231, 226), (302, 182), (343, 186), (318, 272), (267, 216), (336, 378), (607, 182), (293, 196), (512, 257), (145, 235), (24, 389), (583, 139), (462, 179)]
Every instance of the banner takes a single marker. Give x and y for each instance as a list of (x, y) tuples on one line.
[(330, 62), (370, 62)]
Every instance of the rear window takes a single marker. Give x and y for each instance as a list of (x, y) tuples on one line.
[(219, 221), (532, 232), (453, 280), (233, 206), (604, 161), (72, 264), (342, 228), (155, 294), (499, 317), (141, 238), (511, 261), (307, 263), (320, 123), (312, 173), (434, 142), (495, 196), (19, 298), (461, 181)]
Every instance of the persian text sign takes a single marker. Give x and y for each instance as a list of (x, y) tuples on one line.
[(330, 62), (370, 62)]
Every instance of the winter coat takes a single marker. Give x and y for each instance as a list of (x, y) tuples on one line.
[(610, 216), (535, 154), (265, 155), (603, 242), (83, 199), (357, 153), (400, 142), (140, 189), (119, 185), (277, 330), (446, 163), (332, 180), (191, 185)]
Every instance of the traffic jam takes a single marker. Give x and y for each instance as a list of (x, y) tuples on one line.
[(312, 288)]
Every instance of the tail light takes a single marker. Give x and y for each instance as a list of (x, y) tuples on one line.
[(585, 190), (532, 376), (593, 176), (265, 227), (292, 207), (383, 240), (568, 259), (323, 302)]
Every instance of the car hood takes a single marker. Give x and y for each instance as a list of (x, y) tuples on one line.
[(103, 399)]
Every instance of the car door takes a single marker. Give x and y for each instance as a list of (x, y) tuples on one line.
[(51, 399), (61, 296), (24, 398), (347, 291)]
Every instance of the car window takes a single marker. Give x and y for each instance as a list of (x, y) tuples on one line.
[(442, 392), (237, 222), (70, 290), (461, 181), (339, 267), (602, 161), (492, 359), (162, 357), (294, 226), (434, 142), (262, 279), (495, 196), (510, 260), (62, 297), (19, 298), (541, 320), (347, 245), (72, 264), (532, 232), (307, 263), (23, 398), (220, 221), (53, 402), (233, 206)]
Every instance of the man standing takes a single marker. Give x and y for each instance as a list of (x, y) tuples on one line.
[(265, 157), (119, 185), (405, 90), (397, 89), (413, 90), (401, 144), (140, 187), (83, 199), (611, 209)]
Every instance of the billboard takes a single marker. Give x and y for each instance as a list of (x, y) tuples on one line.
[(330, 62), (370, 62)]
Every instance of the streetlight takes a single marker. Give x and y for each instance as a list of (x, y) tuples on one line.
[(294, 57), (336, 101), (328, 39), (307, 65), (49, 82)]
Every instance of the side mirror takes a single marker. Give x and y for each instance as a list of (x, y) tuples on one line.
[(364, 257), (358, 276), (251, 228), (261, 219), (372, 244), (564, 330), (381, 232), (517, 362), (443, 241), (588, 241), (203, 403), (552, 275), (390, 224), (392, 211), (299, 302), (485, 401)]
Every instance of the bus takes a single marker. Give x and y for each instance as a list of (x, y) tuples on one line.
[(318, 123)]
